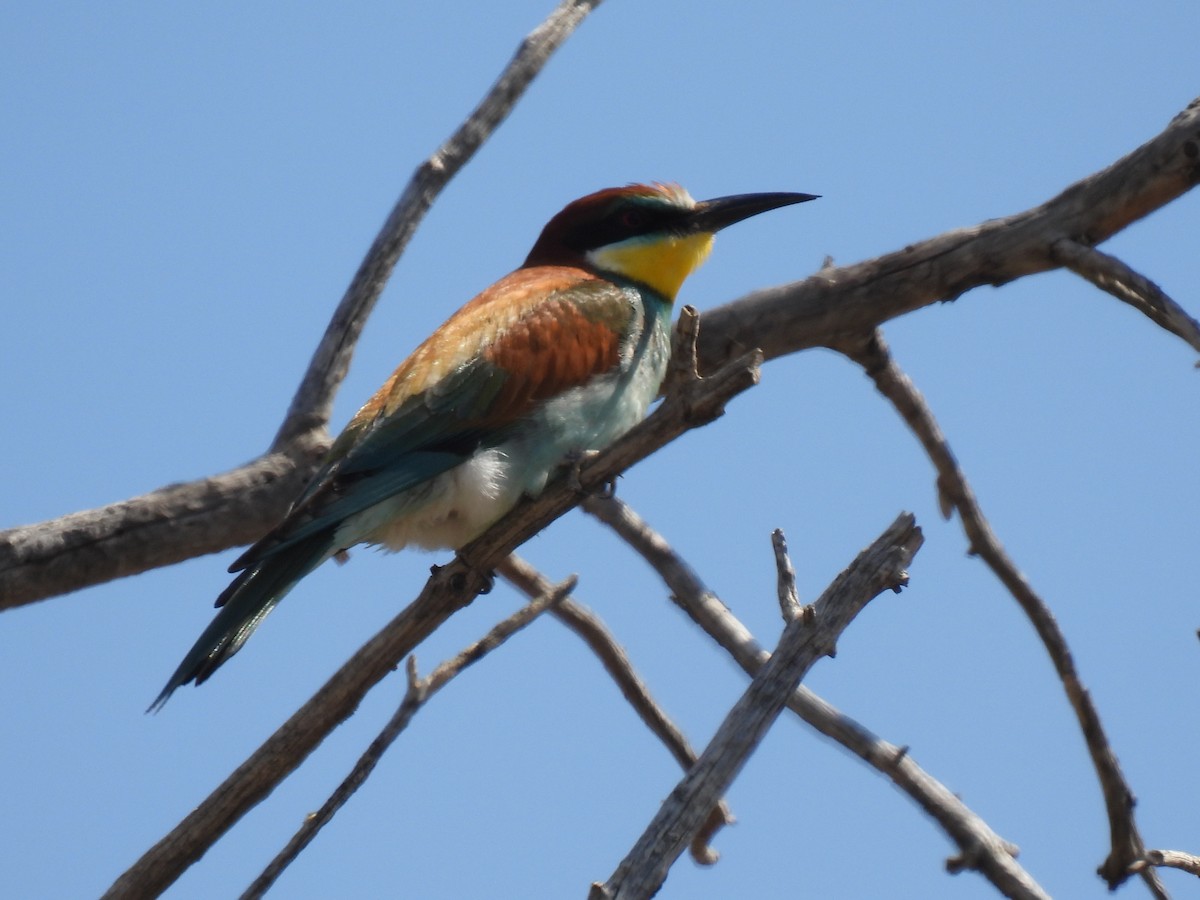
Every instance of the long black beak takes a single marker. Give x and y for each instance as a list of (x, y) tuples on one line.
[(713, 215)]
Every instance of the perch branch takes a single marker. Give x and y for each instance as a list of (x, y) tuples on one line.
[(817, 312), (449, 589)]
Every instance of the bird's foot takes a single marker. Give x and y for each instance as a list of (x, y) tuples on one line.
[(574, 462), (459, 580)]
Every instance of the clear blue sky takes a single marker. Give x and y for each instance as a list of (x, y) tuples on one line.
[(185, 193)]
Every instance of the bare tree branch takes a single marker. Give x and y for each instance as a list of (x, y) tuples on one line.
[(789, 600), (180, 522), (1111, 275), (831, 309), (166, 526), (1174, 859), (980, 848), (38, 561), (449, 589), (1127, 847), (837, 302), (418, 693), (313, 402), (685, 339), (612, 656), (880, 567)]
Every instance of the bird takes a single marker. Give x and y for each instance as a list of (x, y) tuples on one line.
[(557, 359)]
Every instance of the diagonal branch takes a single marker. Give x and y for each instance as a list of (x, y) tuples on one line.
[(313, 402), (880, 567), (166, 526), (612, 656), (980, 848), (451, 588), (821, 310), (420, 690), (1111, 275), (955, 493)]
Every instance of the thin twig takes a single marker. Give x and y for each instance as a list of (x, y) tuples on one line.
[(313, 401), (880, 567), (980, 848), (1114, 277), (785, 574), (1127, 847), (417, 694), (1174, 859), (616, 662), (684, 340)]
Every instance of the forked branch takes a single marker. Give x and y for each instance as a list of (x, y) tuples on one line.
[(91, 547), (850, 300), (955, 493), (419, 691), (612, 656), (1114, 277), (980, 848), (805, 639), (184, 521)]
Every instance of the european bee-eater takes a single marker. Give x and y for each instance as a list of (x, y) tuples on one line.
[(560, 357)]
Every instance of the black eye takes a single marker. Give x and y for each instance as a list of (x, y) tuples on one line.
[(633, 218)]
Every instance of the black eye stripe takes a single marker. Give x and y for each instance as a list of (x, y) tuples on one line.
[(624, 220)]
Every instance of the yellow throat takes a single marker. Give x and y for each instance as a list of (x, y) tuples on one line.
[(660, 263)]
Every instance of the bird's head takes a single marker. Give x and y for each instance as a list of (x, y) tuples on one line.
[(655, 235)]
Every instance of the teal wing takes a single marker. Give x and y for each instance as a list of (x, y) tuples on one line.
[(418, 442), (531, 336), (526, 354), (428, 435)]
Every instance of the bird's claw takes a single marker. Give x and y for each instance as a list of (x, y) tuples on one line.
[(460, 579), (574, 462)]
